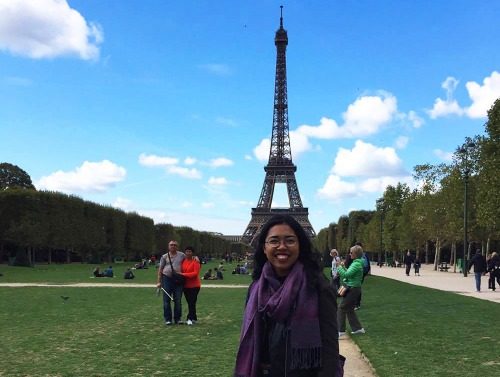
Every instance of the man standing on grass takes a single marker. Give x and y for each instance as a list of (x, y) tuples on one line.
[(479, 263), (171, 258)]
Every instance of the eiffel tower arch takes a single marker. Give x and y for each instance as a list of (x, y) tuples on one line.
[(280, 167)]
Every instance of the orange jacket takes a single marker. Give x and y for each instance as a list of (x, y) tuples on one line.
[(191, 269)]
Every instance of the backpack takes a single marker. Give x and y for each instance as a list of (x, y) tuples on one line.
[(366, 266)]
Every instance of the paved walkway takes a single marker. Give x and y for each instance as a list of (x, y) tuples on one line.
[(445, 281)]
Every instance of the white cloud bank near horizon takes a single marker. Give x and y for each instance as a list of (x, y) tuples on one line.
[(47, 29)]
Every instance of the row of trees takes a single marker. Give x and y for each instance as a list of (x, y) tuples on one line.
[(54, 227), (430, 218)]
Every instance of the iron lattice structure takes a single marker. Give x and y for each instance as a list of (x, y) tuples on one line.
[(280, 168)]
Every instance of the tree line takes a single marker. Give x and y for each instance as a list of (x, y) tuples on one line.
[(429, 220), (42, 226)]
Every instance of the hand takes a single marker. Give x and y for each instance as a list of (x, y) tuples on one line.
[(158, 285)]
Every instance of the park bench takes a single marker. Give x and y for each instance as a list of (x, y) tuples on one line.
[(443, 266)]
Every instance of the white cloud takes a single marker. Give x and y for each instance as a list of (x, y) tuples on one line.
[(226, 121), (364, 117), (208, 205), (299, 144), (124, 204), (402, 142), (217, 181), (261, 151), (217, 69), (484, 96), (379, 184), (90, 177), (190, 161), (368, 114), (335, 189), (366, 160), (448, 106), (445, 156), (186, 204), (221, 161), (248, 157), (170, 165), (245, 203), (415, 119), (153, 160), (47, 29), (184, 172)]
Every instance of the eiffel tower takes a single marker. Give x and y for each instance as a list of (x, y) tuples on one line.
[(280, 168)]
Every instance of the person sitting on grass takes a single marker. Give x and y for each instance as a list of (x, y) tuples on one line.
[(108, 272), (208, 275), (243, 270), (218, 274), (237, 270), (128, 274), (97, 272)]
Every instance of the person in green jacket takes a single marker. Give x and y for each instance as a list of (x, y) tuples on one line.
[(352, 277)]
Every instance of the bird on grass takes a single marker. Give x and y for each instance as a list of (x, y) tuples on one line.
[(64, 297)]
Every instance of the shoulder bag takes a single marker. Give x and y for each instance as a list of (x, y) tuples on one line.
[(178, 279)]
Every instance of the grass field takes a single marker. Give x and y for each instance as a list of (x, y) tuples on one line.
[(108, 331)]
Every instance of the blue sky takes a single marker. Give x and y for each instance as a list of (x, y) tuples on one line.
[(165, 108)]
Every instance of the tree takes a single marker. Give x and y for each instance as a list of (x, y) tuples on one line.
[(489, 168), (12, 176)]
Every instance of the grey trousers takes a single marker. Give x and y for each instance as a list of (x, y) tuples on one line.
[(346, 309)]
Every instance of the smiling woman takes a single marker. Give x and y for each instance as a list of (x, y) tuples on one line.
[(289, 324)]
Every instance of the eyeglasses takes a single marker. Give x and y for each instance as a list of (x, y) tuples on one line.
[(275, 242)]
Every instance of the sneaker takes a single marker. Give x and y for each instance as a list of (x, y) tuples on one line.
[(168, 323), (189, 322), (357, 307), (179, 322), (341, 334), (360, 331)]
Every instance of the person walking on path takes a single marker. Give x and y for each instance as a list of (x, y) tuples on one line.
[(494, 270), (408, 262), (352, 277), (479, 263), (416, 265), (171, 258), (191, 270), (335, 276)]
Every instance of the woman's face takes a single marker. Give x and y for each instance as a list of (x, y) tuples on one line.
[(282, 248), (189, 254)]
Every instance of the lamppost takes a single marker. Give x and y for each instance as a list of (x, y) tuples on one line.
[(380, 206), (464, 151)]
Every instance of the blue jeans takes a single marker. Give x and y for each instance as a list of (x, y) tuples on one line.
[(478, 280), (175, 291)]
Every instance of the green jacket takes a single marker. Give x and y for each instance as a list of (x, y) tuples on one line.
[(354, 274)]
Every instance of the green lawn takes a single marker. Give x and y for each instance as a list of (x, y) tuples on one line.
[(82, 273), (107, 331)]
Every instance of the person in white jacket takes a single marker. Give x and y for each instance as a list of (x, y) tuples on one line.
[(335, 276)]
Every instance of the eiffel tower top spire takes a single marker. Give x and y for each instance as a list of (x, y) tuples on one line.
[(280, 168)]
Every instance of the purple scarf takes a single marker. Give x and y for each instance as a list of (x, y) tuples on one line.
[(292, 302)]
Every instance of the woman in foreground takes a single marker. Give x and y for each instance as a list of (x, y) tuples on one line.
[(289, 325)]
